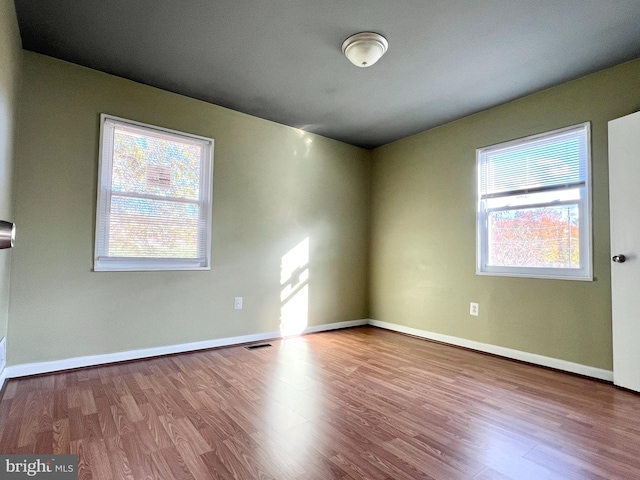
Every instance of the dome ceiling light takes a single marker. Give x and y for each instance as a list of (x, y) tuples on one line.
[(365, 48)]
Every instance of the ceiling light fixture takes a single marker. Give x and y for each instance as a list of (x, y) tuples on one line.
[(365, 48)]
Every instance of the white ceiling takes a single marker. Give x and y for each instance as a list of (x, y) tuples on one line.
[(281, 59)]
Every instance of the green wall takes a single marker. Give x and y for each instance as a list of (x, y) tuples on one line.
[(274, 186), (422, 267), (10, 55), (391, 232)]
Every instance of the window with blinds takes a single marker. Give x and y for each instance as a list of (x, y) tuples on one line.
[(154, 198), (534, 206)]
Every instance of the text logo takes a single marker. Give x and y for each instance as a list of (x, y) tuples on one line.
[(49, 467)]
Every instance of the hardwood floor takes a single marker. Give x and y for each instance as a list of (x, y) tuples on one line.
[(361, 403)]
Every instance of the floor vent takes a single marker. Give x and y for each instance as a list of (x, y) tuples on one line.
[(262, 345)]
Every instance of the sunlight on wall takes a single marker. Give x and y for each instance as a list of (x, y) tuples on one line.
[(307, 144), (294, 293)]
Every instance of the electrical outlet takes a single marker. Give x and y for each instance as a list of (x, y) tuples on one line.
[(237, 303), (474, 309)]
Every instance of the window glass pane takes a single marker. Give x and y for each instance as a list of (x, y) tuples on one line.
[(153, 228), (150, 165), (546, 237)]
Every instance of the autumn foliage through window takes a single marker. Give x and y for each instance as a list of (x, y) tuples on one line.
[(540, 237)]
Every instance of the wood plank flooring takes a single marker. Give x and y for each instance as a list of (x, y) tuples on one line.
[(361, 403)]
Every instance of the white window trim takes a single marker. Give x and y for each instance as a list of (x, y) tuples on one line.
[(105, 159), (585, 272)]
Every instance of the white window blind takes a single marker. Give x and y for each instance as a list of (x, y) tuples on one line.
[(154, 198), (554, 161), (534, 206)]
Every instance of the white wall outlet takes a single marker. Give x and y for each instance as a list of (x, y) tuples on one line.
[(237, 303), (474, 309)]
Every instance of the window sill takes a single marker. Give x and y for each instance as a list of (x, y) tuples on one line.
[(581, 278)]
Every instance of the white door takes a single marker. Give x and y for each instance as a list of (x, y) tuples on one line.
[(624, 197)]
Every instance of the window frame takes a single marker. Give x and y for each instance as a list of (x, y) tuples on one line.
[(103, 263), (585, 214)]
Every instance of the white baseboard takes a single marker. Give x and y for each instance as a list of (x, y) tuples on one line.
[(23, 370), (335, 326), (501, 351), (26, 369), (3, 377)]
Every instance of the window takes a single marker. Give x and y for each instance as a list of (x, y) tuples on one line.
[(534, 206), (154, 198)]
